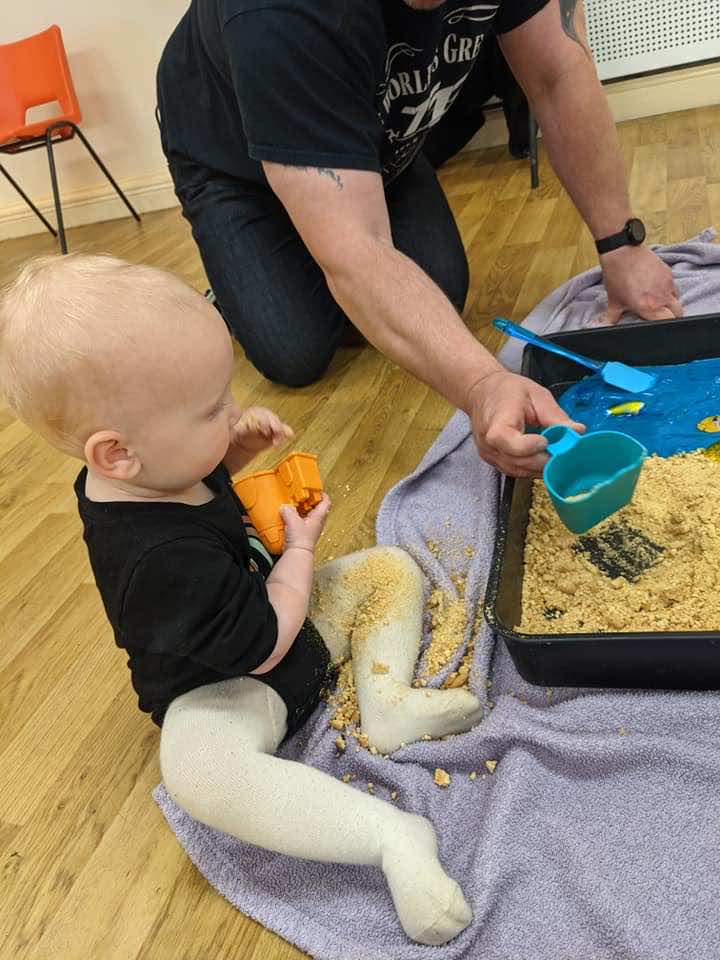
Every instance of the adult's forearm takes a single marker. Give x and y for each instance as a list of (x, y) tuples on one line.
[(406, 316), (581, 140)]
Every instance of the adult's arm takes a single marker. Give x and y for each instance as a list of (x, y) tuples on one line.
[(551, 60), (343, 220)]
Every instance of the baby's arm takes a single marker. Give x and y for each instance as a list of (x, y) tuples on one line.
[(290, 583), (256, 430)]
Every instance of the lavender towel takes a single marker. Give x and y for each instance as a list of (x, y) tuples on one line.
[(598, 835)]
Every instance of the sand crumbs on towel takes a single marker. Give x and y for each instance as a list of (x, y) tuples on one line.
[(447, 631), (653, 566)]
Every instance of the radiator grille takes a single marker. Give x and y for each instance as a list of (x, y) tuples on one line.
[(633, 36)]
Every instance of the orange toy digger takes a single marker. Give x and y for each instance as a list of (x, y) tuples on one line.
[(295, 481)]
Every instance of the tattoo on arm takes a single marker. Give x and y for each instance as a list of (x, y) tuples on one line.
[(325, 172), (336, 178), (567, 17)]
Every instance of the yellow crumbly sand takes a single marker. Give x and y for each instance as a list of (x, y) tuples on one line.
[(448, 626), (668, 536), (447, 631), (442, 777)]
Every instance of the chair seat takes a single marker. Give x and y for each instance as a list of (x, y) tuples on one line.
[(30, 131)]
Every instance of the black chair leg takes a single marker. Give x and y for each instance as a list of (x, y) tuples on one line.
[(104, 169), (28, 201), (56, 192), (534, 169)]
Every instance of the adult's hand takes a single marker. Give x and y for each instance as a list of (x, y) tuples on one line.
[(501, 406), (637, 280)]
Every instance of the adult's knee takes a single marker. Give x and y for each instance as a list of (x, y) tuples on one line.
[(296, 368), (461, 284), (455, 281)]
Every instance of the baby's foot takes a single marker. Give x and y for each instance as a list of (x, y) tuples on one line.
[(394, 714), (430, 905)]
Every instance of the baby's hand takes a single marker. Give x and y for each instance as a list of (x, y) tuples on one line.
[(304, 532), (255, 430), (259, 428)]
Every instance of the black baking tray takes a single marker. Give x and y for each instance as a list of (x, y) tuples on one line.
[(680, 660)]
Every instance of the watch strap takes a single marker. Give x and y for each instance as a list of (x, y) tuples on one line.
[(626, 237), (617, 240)]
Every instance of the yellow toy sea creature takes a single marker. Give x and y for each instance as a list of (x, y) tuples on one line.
[(710, 424), (713, 452), (630, 409)]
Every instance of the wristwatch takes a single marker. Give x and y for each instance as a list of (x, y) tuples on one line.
[(632, 234)]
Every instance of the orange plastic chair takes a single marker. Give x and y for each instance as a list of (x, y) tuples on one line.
[(295, 480), (35, 71)]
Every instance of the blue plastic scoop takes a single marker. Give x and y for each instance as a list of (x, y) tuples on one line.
[(590, 477), (617, 374)]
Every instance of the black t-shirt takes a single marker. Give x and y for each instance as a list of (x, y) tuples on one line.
[(184, 590), (326, 83)]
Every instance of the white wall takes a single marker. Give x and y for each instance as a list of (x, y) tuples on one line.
[(113, 49), (631, 99)]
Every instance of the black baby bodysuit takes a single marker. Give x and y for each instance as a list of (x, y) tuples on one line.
[(185, 593)]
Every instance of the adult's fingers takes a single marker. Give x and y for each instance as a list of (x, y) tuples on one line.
[(549, 413), (672, 310), (515, 466), (675, 305), (508, 442), (658, 313), (611, 316)]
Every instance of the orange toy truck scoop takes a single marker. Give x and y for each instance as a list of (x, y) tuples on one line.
[(295, 480), (300, 475)]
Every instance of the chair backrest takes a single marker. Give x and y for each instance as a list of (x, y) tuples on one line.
[(34, 71)]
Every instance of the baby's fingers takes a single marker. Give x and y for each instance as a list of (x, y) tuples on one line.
[(323, 508), (291, 517), (318, 515), (281, 433)]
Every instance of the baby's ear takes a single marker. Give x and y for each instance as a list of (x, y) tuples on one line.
[(107, 453)]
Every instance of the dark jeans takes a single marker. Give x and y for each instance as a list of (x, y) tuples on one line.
[(272, 293)]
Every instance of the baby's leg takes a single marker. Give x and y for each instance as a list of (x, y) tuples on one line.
[(372, 601), (217, 764)]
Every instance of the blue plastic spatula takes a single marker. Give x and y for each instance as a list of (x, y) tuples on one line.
[(617, 374)]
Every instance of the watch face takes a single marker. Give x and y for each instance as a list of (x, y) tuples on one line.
[(636, 231)]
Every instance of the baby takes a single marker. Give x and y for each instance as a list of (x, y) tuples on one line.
[(129, 370)]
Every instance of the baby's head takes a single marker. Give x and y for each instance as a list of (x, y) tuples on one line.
[(123, 366)]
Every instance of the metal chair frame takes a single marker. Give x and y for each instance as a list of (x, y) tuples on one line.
[(47, 141)]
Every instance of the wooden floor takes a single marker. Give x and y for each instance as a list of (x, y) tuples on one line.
[(90, 870)]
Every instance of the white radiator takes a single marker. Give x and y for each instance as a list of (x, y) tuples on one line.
[(634, 36)]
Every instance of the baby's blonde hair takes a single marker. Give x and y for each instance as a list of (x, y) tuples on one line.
[(65, 324)]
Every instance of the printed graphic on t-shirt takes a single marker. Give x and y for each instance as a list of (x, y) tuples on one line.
[(421, 84), (260, 560)]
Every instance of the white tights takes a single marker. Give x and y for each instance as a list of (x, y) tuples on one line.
[(218, 743)]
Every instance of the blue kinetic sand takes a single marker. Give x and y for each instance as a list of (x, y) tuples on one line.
[(680, 413)]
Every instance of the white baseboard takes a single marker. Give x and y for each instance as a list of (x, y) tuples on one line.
[(632, 99), (150, 192), (629, 99)]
